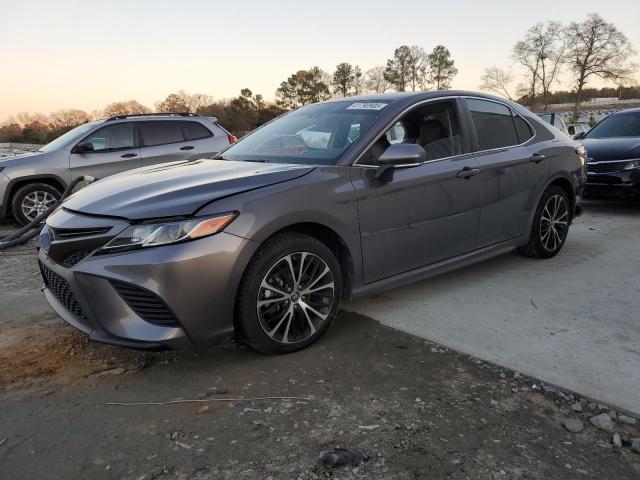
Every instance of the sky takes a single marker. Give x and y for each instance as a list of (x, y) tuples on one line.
[(86, 54)]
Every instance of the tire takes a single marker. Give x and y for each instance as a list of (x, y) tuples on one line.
[(40, 196), (548, 236), (275, 311)]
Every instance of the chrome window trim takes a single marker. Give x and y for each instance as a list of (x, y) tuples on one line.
[(461, 155), (613, 161), (393, 122)]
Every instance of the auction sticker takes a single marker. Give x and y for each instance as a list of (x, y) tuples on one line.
[(367, 106)]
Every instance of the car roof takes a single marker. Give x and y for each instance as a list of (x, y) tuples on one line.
[(417, 96)]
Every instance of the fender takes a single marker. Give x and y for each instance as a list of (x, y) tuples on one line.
[(4, 207)]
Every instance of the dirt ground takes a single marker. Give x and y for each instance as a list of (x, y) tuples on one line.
[(417, 409)]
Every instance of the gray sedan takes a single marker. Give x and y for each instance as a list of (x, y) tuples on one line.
[(334, 200)]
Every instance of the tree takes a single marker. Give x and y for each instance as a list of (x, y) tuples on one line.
[(303, 87), (419, 62), (398, 69), (343, 79), (64, 120), (441, 68), (358, 81), (173, 103), (10, 132), (542, 52), (496, 80), (128, 107), (375, 80), (597, 49)]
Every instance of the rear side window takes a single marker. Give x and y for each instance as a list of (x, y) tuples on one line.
[(196, 130), (160, 133), (494, 124), (523, 128)]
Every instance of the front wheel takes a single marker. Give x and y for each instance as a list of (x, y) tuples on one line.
[(550, 224), (33, 199), (289, 295)]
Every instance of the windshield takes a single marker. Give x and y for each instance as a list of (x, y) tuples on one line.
[(618, 125), (314, 135), (69, 137)]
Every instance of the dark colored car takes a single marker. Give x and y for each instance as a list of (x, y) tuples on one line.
[(333, 200), (613, 155)]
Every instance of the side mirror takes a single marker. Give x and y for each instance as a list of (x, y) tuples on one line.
[(579, 136), (400, 155), (83, 148)]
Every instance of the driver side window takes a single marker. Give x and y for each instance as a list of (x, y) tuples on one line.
[(113, 137), (434, 126)]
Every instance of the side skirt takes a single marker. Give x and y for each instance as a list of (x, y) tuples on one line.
[(438, 268)]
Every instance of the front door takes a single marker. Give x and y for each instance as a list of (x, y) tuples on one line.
[(420, 215), (114, 150)]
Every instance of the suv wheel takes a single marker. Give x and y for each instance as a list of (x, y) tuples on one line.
[(550, 224), (289, 294), (33, 199)]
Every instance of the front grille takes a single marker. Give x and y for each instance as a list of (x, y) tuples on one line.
[(145, 304), (61, 290), (605, 167), (72, 233), (75, 257)]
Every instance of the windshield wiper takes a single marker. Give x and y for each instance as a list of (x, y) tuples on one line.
[(219, 157)]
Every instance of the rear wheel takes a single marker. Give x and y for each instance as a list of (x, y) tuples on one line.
[(550, 224), (289, 295), (33, 199)]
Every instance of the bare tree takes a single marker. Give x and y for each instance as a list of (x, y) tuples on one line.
[(182, 101), (67, 119), (128, 107), (375, 80), (597, 49), (530, 60), (498, 81)]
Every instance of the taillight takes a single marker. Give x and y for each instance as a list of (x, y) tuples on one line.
[(233, 139)]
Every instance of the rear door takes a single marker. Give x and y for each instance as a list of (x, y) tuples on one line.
[(115, 149), (209, 139), (165, 141), (511, 170)]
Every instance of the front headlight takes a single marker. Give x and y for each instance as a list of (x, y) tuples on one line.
[(145, 235), (632, 165)]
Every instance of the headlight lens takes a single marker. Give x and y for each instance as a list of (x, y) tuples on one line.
[(146, 235), (632, 165)]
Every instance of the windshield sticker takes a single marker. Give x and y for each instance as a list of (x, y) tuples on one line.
[(367, 106)]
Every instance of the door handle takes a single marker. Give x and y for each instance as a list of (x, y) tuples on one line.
[(468, 172), (537, 157), (187, 147), (129, 155)]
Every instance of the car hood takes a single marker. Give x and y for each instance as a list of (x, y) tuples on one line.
[(603, 149), (7, 161), (176, 189)]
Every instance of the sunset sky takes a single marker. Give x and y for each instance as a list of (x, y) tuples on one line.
[(85, 54)]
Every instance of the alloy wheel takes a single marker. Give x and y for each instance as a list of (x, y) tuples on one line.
[(295, 297), (36, 203), (554, 223)]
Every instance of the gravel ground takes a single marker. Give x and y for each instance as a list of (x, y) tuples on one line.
[(417, 409)]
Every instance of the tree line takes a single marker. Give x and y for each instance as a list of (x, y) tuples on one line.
[(582, 51), (410, 68)]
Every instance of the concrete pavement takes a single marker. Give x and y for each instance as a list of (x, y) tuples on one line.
[(573, 320)]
